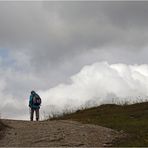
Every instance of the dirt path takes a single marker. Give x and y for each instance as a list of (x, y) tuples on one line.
[(56, 133)]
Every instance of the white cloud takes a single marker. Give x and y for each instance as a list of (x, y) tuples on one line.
[(97, 84)]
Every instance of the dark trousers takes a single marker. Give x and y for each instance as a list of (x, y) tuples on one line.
[(32, 114)]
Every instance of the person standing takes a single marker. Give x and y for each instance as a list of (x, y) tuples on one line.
[(34, 104)]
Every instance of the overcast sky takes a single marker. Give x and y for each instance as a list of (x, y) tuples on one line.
[(66, 51)]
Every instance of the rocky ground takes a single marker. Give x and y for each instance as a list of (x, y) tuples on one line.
[(56, 133)]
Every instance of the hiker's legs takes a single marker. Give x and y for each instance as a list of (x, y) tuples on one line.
[(31, 114), (37, 114)]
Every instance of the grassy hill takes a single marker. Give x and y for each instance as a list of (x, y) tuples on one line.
[(132, 119)]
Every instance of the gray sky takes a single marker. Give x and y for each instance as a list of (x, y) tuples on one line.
[(43, 44)]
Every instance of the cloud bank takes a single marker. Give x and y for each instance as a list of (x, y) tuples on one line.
[(97, 84)]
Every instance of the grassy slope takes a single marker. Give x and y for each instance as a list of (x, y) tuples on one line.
[(132, 119)]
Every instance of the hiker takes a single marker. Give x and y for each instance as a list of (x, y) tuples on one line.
[(34, 104)]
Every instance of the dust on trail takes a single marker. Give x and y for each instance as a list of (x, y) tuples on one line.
[(56, 133)]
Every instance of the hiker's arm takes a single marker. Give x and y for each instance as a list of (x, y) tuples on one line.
[(30, 101)]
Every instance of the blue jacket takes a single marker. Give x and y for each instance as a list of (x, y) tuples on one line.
[(31, 105)]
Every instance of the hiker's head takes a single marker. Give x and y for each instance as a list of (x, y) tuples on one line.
[(32, 92)]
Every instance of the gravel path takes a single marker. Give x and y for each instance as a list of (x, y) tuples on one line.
[(56, 133)]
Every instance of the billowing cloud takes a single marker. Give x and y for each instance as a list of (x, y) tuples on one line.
[(97, 84)]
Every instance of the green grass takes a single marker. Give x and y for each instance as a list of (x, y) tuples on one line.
[(132, 119)]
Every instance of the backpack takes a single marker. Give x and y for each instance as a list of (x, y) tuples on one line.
[(36, 100)]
